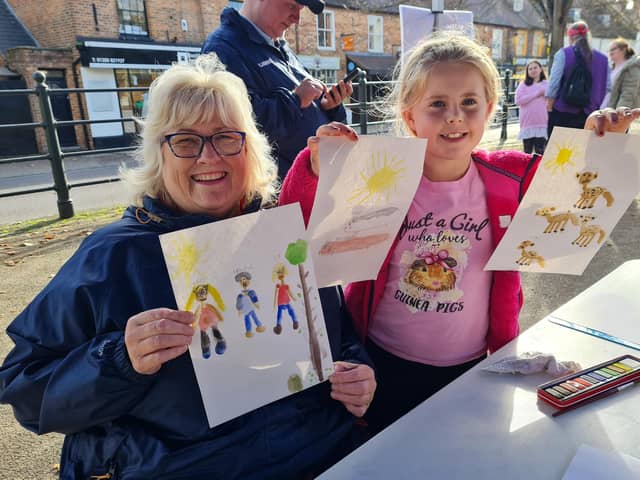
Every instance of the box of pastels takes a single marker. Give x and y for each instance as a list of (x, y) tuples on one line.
[(579, 386)]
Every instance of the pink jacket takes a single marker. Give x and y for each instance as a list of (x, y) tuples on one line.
[(506, 176), (533, 105)]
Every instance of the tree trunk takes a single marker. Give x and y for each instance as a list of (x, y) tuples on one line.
[(314, 346)]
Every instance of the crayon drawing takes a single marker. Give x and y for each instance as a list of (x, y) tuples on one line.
[(582, 187), (364, 191), (259, 354)]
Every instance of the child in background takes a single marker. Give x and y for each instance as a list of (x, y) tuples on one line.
[(433, 312), (533, 108)]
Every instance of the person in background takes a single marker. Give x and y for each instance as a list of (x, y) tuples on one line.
[(289, 104), (625, 75), (100, 354), (562, 114), (533, 108)]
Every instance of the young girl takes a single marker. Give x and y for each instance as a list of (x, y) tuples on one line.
[(533, 108), (433, 312)]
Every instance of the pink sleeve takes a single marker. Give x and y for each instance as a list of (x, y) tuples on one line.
[(300, 185), (525, 94)]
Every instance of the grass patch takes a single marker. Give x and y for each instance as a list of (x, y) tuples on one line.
[(100, 216)]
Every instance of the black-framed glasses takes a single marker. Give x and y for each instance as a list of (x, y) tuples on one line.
[(190, 145)]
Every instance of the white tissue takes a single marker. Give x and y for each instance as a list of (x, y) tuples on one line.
[(532, 362)]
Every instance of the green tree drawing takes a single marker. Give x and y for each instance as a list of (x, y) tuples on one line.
[(296, 254)]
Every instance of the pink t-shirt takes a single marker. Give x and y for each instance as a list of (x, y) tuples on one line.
[(435, 306)]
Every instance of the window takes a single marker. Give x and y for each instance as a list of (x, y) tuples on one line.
[(574, 14), (132, 17), (604, 20), (325, 75), (520, 43), (496, 44), (326, 31), (376, 36), (539, 48), (234, 5), (518, 5)]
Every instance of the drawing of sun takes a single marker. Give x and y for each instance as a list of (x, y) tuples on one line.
[(561, 157), (379, 179), (185, 256)]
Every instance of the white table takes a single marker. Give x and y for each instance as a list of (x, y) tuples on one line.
[(490, 426)]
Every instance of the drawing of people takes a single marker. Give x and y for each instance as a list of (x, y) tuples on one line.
[(207, 316), (282, 297), (247, 303)]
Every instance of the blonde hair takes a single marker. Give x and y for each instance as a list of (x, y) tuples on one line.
[(413, 74), (199, 93), (279, 269)]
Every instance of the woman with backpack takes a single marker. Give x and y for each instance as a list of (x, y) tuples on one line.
[(625, 75), (578, 82), (533, 108)]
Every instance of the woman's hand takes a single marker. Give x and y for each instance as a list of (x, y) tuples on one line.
[(333, 129), (610, 120), (353, 385), (156, 336)]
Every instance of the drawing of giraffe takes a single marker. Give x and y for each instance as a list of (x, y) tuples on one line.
[(558, 221), (588, 232), (589, 194), (526, 257)]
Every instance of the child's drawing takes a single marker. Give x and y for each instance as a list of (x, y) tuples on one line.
[(378, 179), (231, 262), (247, 304), (589, 232), (282, 298), (579, 171), (353, 243), (556, 221), (207, 316), (296, 255), (590, 194), (528, 256), (364, 191)]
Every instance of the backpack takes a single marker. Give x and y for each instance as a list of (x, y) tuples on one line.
[(576, 90)]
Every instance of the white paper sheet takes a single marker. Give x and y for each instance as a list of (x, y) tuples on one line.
[(264, 366), (364, 192), (417, 23), (583, 186), (590, 463)]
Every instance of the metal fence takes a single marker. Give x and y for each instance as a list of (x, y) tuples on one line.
[(365, 119)]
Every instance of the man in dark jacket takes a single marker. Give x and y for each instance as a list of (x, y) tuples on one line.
[(288, 103)]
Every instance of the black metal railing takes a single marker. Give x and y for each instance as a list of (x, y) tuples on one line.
[(366, 119)]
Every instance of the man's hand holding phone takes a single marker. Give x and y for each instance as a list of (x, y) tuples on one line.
[(343, 89)]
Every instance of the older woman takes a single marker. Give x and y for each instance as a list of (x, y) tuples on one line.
[(625, 75), (100, 353)]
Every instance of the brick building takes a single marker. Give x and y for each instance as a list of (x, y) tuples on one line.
[(127, 43)]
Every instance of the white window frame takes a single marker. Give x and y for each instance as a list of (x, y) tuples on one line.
[(329, 30), (372, 37)]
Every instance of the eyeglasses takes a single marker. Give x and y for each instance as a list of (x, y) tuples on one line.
[(190, 145)]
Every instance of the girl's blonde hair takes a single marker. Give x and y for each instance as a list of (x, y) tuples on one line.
[(413, 74), (199, 93)]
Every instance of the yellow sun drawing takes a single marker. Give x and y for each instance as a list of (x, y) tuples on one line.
[(561, 158), (186, 257), (380, 179)]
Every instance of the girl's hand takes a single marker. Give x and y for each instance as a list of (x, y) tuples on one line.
[(610, 120), (333, 129), (156, 336), (353, 385)]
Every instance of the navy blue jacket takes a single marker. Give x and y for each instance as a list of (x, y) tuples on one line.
[(271, 74), (69, 372)]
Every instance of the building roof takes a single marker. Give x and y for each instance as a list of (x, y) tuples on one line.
[(13, 33)]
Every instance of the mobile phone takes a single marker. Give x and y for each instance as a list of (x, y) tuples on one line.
[(352, 75)]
